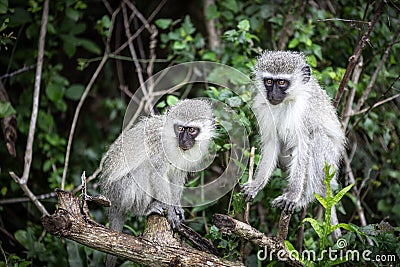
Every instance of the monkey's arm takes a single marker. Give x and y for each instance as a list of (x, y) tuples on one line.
[(291, 196), (267, 165)]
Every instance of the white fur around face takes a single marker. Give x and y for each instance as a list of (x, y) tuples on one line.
[(196, 158)]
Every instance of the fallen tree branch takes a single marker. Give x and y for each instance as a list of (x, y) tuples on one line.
[(157, 247), (273, 245)]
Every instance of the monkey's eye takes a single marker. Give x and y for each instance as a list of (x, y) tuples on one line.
[(193, 131), (268, 82), (283, 84), (180, 128)]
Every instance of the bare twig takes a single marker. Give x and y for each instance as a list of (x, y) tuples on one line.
[(26, 199), (352, 21), (377, 104), (356, 193), (135, 60), (214, 35), (139, 31), (36, 93), (35, 107), (371, 83), (76, 116), (4, 255), (83, 98), (357, 52), (251, 172), (15, 73), (288, 26), (348, 110), (371, 107)]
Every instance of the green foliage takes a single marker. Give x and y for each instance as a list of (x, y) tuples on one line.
[(228, 245), (77, 31)]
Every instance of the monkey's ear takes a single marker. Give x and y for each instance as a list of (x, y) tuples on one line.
[(306, 73)]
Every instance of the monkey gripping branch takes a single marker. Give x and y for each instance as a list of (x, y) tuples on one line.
[(158, 246)]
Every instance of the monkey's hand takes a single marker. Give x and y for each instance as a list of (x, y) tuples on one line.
[(285, 203), (250, 190)]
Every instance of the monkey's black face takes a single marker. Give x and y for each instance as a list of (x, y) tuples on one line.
[(186, 136), (276, 89)]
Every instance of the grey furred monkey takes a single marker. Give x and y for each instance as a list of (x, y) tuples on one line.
[(299, 129), (145, 169)]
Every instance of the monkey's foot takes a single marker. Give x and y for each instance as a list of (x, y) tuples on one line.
[(175, 216), (284, 204), (250, 190), (157, 208)]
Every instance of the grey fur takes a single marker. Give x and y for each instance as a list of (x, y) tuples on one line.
[(301, 133), (144, 170)]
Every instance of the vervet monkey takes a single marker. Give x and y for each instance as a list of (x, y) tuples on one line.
[(145, 169), (299, 129)]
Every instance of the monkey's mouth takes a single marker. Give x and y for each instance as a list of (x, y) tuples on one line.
[(275, 101), (186, 146)]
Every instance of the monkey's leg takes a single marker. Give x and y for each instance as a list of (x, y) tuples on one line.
[(265, 168), (292, 195), (117, 220)]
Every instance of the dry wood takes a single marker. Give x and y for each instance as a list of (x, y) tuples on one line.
[(228, 225), (157, 247)]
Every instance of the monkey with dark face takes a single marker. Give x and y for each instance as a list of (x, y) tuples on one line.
[(145, 169), (299, 129)]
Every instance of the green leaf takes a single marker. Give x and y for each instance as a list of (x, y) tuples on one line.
[(90, 46), (211, 56), (212, 12), (293, 43), (172, 100), (163, 23), (231, 5), (312, 60), (244, 25), (72, 14), (343, 226), (341, 193), (293, 251), (321, 200), (187, 26), (54, 92), (6, 109), (75, 91), (316, 225), (74, 255), (3, 6)]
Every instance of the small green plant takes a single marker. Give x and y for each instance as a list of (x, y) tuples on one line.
[(325, 228)]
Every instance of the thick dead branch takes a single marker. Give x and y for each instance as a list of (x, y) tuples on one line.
[(157, 247), (228, 225)]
